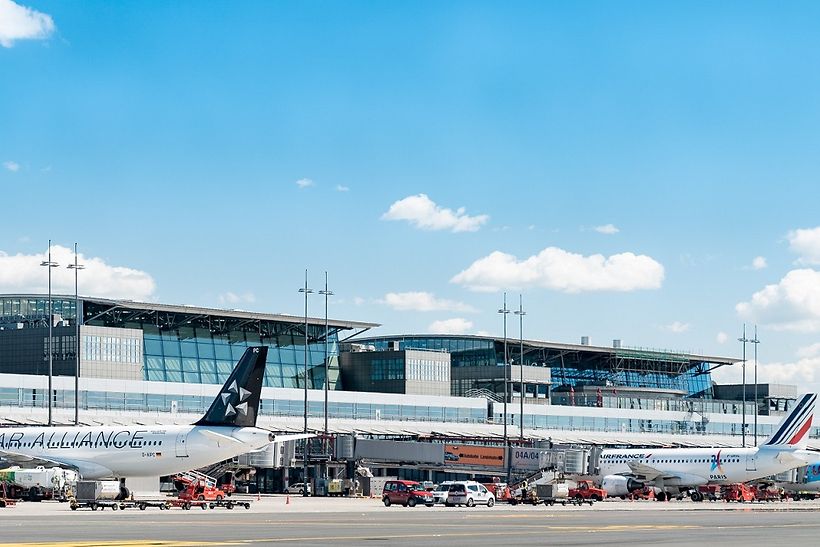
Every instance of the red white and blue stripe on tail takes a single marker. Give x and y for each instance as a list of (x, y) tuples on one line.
[(794, 429)]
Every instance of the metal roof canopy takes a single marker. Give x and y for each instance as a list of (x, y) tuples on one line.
[(615, 353), (170, 317)]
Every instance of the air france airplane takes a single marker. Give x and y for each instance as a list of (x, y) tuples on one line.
[(676, 470), (226, 430)]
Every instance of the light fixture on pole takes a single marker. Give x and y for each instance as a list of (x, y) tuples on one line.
[(744, 340), (757, 403), (521, 313), (504, 311), (50, 264), (306, 291), (327, 293), (77, 316)]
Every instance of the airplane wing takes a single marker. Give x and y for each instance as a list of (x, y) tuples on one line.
[(26, 460), (647, 472)]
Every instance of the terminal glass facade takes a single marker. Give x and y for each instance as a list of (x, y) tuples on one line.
[(572, 366)]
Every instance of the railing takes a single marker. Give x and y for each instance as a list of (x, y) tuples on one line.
[(483, 393)]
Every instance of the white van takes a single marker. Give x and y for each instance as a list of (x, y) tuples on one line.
[(469, 493)]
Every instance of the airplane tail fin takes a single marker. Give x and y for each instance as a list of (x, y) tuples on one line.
[(237, 404), (793, 430)]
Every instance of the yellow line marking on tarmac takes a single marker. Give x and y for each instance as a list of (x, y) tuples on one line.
[(120, 543)]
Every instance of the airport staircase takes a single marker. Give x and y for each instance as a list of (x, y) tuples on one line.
[(483, 393), (536, 478), (192, 477)]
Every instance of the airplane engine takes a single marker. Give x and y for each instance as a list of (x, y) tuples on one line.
[(617, 485)]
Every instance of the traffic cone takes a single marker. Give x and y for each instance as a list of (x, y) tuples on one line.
[(287, 500), (258, 497)]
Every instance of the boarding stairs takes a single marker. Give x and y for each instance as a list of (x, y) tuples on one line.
[(192, 477)]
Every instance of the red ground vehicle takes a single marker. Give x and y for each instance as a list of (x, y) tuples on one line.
[(645, 493), (198, 486), (738, 492), (407, 493), (588, 491), (765, 492)]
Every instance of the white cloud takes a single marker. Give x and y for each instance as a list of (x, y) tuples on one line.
[(233, 298), (21, 23), (304, 183), (806, 243), (341, 188), (12, 166), (722, 338), (759, 263), (359, 301), (804, 370), (23, 273), (422, 301), (423, 213), (607, 229), (676, 327), (560, 270), (807, 352), (457, 325), (791, 304)]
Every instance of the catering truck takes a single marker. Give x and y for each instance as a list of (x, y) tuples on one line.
[(40, 483)]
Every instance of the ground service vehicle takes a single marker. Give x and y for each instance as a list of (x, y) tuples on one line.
[(407, 493), (586, 490), (198, 486), (469, 493), (40, 483), (739, 492)]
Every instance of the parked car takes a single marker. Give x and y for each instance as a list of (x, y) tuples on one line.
[(440, 492), (297, 488), (407, 493), (469, 493)]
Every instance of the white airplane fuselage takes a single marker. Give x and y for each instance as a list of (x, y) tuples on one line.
[(697, 466), (133, 451)]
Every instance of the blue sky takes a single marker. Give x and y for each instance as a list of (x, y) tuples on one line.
[(169, 139)]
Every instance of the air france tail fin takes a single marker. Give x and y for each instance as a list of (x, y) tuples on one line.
[(237, 404), (793, 430)]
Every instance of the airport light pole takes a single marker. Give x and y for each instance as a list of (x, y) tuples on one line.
[(521, 313), (504, 311), (306, 291), (76, 267), (755, 341), (744, 340), (327, 293), (50, 264)]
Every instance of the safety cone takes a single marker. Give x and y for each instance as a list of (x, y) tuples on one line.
[(287, 500), (258, 497)]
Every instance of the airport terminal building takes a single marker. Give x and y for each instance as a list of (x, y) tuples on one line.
[(158, 363)]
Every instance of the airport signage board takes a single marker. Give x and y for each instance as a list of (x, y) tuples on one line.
[(466, 454), (527, 458)]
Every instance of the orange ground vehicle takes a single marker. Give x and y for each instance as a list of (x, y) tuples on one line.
[(738, 492), (764, 492), (645, 493), (710, 492), (588, 491), (198, 486)]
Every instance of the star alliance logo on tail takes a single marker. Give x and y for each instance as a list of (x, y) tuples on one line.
[(242, 394)]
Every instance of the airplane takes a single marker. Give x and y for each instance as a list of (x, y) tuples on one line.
[(678, 470), (226, 430), (809, 487)]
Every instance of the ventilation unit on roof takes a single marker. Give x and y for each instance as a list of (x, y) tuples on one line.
[(585, 340)]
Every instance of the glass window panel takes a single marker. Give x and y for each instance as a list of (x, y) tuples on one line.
[(190, 365), (188, 349), (170, 348), (174, 375), (207, 365), (173, 363), (223, 352), (206, 349)]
